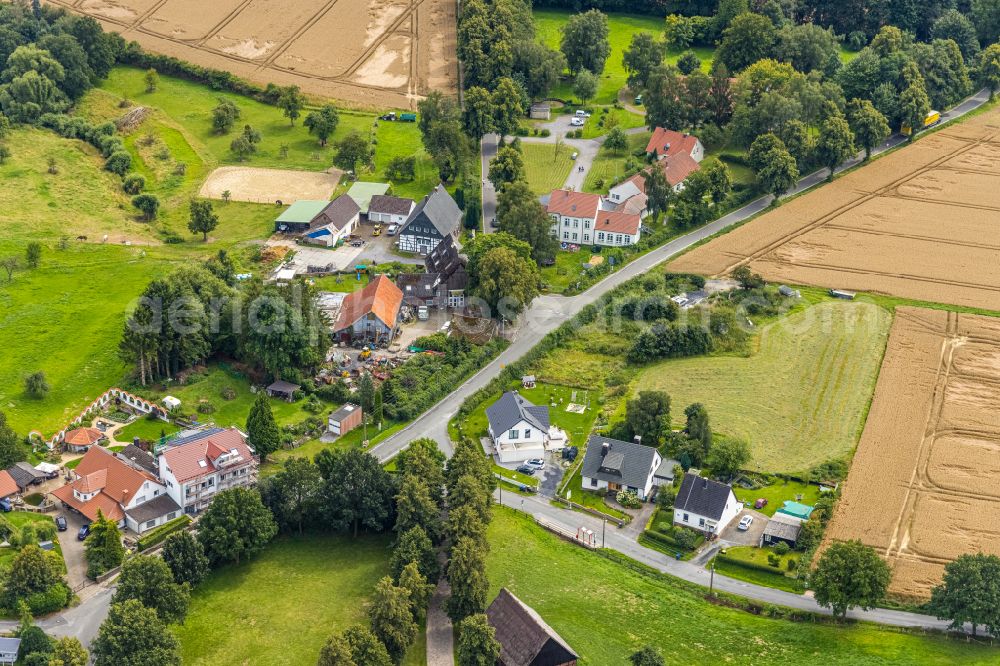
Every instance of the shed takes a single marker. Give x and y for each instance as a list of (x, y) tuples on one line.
[(525, 639), (282, 389), (528, 381), (345, 419), (9, 648), (781, 527), (540, 111), (297, 217), (171, 403), (25, 475), (795, 509)]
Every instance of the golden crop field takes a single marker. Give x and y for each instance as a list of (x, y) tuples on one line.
[(923, 489)]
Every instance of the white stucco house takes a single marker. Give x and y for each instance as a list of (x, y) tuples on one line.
[(518, 428), (614, 464), (588, 219), (705, 505)]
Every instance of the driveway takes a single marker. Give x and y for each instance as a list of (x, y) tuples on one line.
[(733, 536), (72, 549), (550, 476), (344, 257)]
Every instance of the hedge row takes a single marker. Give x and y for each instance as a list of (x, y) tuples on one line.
[(216, 79), (667, 540), (749, 565), (154, 537)]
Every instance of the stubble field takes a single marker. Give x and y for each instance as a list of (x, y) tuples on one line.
[(921, 223), (376, 53), (922, 488)]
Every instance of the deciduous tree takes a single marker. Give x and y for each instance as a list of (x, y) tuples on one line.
[(697, 427), (523, 217), (202, 219), (970, 593), (850, 574), (235, 526), (835, 143), (641, 57), (224, 116), (585, 85), (747, 39), (506, 281), (727, 457), (869, 126), (148, 580), (291, 102), (617, 140), (352, 151), (186, 558), (648, 417), (68, 651), (585, 41), (134, 634), (416, 508), (11, 450), (323, 123), (151, 79), (658, 191), (357, 491), (506, 167)]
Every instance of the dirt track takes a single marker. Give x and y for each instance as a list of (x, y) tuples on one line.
[(923, 488), (921, 223), (373, 53)]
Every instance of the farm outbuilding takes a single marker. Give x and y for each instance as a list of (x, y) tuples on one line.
[(345, 419), (525, 639), (282, 389), (781, 527)]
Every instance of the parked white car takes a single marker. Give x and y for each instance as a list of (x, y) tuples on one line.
[(582, 114), (745, 523), (577, 122), (535, 462)]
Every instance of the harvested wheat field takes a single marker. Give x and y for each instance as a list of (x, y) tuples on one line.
[(920, 223), (924, 486), (374, 53), (258, 185)]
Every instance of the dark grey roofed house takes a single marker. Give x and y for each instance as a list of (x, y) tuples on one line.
[(9, 648), (339, 213), (139, 459), (616, 465), (25, 475), (434, 218), (702, 496), (511, 409), (525, 639)]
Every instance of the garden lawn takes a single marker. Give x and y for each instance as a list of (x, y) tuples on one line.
[(757, 557), (19, 519), (621, 27), (609, 167), (606, 612), (569, 267), (588, 498), (577, 426), (621, 118), (308, 450), (397, 139), (546, 167), (800, 398), (146, 429), (777, 493), (280, 607), (207, 386)]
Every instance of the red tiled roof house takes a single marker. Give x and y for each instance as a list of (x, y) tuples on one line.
[(196, 470), (371, 314), (131, 497)]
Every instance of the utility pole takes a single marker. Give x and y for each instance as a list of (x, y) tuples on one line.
[(604, 527), (500, 488), (711, 580)]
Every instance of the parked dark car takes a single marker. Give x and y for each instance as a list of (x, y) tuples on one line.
[(760, 503), (84, 531), (525, 469), (5, 505), (61, 523)]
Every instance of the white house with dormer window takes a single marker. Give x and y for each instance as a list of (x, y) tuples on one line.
[(519, 429)]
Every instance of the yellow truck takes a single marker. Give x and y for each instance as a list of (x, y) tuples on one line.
[(933, 118)]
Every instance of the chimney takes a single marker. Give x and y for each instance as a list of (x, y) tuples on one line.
[(638, 439), (605, 447), (704, 483), (135, 441)]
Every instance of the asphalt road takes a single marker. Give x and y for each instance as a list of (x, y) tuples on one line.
[(487, 151), (616, 539)]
